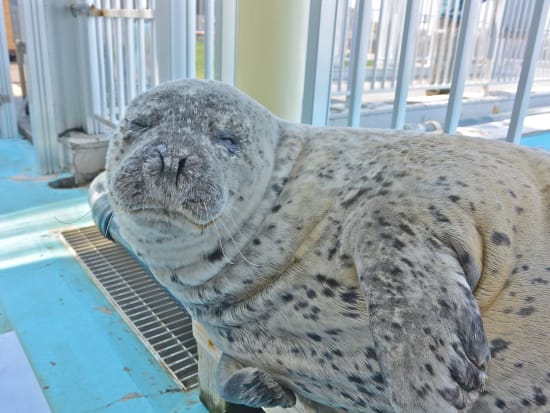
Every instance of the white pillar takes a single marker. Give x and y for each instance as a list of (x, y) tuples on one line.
[(271, 53), (8, 122)]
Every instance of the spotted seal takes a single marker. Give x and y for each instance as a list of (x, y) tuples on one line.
[(364, 270)]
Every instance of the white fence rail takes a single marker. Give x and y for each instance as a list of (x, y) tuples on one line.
[(121, 59), (500, 38), (364, 47)]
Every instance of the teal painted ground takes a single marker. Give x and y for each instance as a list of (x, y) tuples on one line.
[(83, 354), (539, 140)]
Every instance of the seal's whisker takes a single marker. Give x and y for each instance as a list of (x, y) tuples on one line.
[(75, 220), (239, 194), (237, 247), (219, 235)]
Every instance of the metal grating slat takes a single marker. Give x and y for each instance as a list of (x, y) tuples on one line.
[(156, 318)]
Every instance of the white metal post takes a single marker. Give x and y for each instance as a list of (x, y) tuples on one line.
[(8, 122), (462, 64), (41, 100), (190, 38), (406, 63), (532, 53), (360, 50), (209, 39), (171, 42), (225, 38), (318, 73)]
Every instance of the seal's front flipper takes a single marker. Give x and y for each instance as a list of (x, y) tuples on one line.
[(425, 322), (250, 386)]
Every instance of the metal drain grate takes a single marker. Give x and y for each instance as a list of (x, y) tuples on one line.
[(158, 320)]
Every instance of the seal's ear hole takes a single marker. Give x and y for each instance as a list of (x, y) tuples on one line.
[(229, 140)]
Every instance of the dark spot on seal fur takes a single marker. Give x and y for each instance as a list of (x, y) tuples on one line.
[(378, 378), (405, 228), (454, 198), (311, 294), (498, 238), (216, 255), (287, 297), (519, 210), (526, 311), (349, 296), (275, 208), (430, 369), (498, 345), (539, 397), (500, 403), (356, 379), (327, 292), (315, 337)]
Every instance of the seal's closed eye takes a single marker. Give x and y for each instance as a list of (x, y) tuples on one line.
[(229, 140), (138, 124)]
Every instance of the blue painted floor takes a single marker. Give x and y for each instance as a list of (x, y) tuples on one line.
[(539, 140), (84, 357)]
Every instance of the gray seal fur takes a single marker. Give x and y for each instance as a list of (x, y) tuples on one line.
[(364, 270)]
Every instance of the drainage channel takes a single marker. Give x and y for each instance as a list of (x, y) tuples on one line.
[(155, 316)]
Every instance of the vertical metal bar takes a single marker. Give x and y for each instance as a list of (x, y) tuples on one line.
[(130, 53), (377, 44), (344, 10), (110, 65), (434, 45), (141, 52), (360, 50), (225, 38), (102, 87), (318, 71), (119, 61), (8, 120), (387, 49), (396, 46), (513, 40), (496, 64), (532, 52), (209, 39), (450, 61), (462, 63), (425, 43), (178, 39), (41, 100), (191, 38), (88, 67), (154, 54), (406, 61)]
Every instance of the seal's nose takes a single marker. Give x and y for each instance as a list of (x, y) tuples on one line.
[(171, 163)]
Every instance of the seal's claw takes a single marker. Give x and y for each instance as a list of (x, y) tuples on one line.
[(254, 388)]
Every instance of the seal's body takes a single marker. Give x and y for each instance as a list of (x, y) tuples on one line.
[(365, 270)]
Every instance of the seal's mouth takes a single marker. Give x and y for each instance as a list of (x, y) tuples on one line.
[(174, 217)]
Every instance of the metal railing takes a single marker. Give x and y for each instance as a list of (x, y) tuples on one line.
[(379, 46), (120, 35), (365, 47), (135, 44), (500, 38)]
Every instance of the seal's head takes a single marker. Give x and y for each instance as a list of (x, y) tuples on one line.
[(183, 150)]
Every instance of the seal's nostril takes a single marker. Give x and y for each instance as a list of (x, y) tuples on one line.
[(161, 162), (181, 165)]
